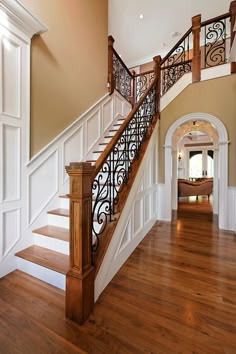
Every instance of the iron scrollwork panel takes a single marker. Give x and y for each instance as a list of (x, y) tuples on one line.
[(215, 43), (171, 75), (115, 171), (142, 82), (122, 78)]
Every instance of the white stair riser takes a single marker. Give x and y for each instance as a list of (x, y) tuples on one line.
[(58, 220), (64, 203), (52, 243), (42, 273)]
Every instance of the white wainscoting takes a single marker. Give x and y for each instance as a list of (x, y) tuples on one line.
[(231, 208), (17, 26), (137, 218)]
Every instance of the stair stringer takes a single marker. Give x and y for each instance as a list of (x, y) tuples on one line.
[(138, 216)]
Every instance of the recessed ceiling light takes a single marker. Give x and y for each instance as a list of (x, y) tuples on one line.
[(141, 16)]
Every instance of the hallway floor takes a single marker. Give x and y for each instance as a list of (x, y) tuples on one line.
[(175, 294)]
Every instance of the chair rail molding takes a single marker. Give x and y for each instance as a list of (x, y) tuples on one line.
[(222, 164)]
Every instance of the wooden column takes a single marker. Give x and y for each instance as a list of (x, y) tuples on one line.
[(132, 98), (196, 60), (157, 73), (232, 11), (110, 65), (80, 278)]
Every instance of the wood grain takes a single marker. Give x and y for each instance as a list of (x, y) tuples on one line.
[(175, 294), (46, 258), (56, 232)]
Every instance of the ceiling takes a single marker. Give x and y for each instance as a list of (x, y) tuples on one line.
[(163, 24)]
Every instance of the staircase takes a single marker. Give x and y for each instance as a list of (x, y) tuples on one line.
[(48, 258), (69, 250)]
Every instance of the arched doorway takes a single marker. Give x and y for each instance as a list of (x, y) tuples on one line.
[(221, 180)]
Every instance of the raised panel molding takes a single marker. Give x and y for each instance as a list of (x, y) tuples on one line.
[(107, 114), (10, 171), (93, 129), (72, 149), (11, 78), (44, 175), (10, 230)]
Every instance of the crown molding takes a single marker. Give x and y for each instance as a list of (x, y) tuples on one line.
[(16, 13)]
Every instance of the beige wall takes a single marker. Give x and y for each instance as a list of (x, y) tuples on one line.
[(69, 64), (216, 97)]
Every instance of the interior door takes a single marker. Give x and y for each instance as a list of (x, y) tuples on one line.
[(201, 163)]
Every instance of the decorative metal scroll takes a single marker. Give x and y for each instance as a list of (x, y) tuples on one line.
[(141, 83), (115, 171), (122, 77), (215, 51), (177, 63), (172, 74)]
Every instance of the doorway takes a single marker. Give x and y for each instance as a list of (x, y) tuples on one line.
[(220, 165)]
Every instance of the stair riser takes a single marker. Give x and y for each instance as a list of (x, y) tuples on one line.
[(42, 273), (58, 220), (64, 203), (51, 243)]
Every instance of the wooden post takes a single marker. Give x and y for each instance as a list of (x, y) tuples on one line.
[(232, 11), (110, 65), (196, 60), (157, 74), (80, 278), (132, 98)]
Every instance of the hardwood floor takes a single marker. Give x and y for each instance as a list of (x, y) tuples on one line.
[(175, 294)]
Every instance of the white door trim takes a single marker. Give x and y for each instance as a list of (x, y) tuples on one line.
[(222, 162)]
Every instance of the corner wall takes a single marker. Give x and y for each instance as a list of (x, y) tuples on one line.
[(68, 64)]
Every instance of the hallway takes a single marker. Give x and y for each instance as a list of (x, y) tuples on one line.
[(175, 294)]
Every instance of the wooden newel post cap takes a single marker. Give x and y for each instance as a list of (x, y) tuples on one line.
[(157, 64), (110, 41), (196, 20), (232, 8), (82, 167)]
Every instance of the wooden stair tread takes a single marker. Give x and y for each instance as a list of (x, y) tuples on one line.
[(60, 212), (56, 232), (44, 257)]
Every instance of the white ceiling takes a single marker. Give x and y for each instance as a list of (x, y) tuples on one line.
[(137, 41)]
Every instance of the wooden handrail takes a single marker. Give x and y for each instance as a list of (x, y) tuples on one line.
[(215, 19), (177, 45), (116, 137), (177, 64), (144, 73)]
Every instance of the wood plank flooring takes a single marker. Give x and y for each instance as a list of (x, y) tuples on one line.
[(175, 294)]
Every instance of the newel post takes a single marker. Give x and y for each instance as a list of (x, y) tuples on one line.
[(232, 11), (80, 277), (110, 65), (196, 60), (157, 74)]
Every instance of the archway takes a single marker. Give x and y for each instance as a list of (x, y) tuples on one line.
[(222, 163)]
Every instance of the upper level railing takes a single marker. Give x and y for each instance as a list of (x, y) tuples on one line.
[(177, 62), (205, 45), (216, 41)]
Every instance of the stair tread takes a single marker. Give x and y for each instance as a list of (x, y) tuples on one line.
[(56, 261), (56, 232), (59, 211)]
